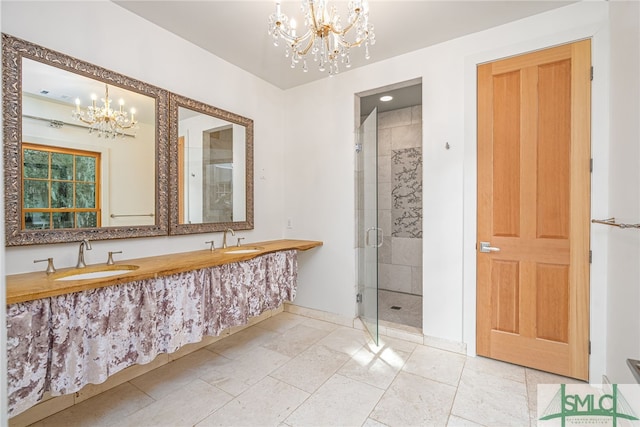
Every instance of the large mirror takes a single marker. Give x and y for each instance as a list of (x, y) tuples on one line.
[(80, 162), (211, 168)]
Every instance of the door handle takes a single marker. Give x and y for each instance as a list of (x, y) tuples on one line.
[(378, 232), (485, 247)]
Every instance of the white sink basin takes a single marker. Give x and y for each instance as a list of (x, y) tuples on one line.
[(242, 250), (97, 273)]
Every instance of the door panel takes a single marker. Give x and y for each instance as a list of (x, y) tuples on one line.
[(368, 140), (533, 204)]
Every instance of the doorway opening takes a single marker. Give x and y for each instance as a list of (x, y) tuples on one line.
[(395, 225)]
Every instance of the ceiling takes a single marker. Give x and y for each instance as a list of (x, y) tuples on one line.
[(236, 31)]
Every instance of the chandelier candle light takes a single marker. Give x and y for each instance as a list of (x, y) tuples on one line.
[(104, 120), (325, 39)]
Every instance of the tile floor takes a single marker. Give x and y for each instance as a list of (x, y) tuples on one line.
[(291, 370), (410, 312)]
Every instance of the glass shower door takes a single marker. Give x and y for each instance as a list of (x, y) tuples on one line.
[(372, 235)]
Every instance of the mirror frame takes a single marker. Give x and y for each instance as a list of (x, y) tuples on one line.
[(175, 228), (13, 50)]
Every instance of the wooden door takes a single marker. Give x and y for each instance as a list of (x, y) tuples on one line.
[(534, 207)]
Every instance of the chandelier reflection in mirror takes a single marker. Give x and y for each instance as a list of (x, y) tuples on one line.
[(326, 40), (105, 121)]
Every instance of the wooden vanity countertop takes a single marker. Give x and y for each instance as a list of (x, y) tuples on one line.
[(37, 285)]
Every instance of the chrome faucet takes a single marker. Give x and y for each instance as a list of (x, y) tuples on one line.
[(83, 244), (224, 237)]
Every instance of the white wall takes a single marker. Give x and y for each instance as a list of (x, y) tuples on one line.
[(623, 278), (319, 150), (91, 31)]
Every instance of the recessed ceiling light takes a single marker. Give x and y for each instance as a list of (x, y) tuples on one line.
[(386, 98)]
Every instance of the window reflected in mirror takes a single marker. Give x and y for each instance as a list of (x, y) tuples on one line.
[(61, 188)]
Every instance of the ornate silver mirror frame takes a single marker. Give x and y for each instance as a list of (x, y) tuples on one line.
[(176, 225), (13, 50)]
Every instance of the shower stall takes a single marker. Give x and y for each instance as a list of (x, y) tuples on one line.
[(389, 208)]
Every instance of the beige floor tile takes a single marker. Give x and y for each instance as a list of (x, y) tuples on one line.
[(174, 375), (461, 422), (311, 368), (434, 364), (496, 368), (281, 322), (534, 378), (107, 409), (243, 342), (184, 407), (91, 390), (394, 343), (490, 400), (373, 423), (377, 366), (320, 324), (236, 376), (295, 340), (267, 403), (346, 340), (340, 401), (412, 400)]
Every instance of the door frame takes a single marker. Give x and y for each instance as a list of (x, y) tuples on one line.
[(599, 151)]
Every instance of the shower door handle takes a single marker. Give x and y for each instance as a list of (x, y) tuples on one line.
[(376, 244)]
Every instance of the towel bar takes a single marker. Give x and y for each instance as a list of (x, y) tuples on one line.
[(612, 221)]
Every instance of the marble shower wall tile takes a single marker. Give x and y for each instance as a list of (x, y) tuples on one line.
[(406, 192), (395, 118), (406, 251), (384, 142), (406, 137)]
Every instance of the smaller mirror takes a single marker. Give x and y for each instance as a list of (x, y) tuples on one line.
[(211, 168)]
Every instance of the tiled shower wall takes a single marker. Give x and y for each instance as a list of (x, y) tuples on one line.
[(400, 199)]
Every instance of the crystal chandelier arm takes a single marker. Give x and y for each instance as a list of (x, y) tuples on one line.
[(351, 24), (295, 40), (83, 120), (356, 43), (312, 38), (312, 11)]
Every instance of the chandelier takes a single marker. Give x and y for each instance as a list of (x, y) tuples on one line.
[(104, 120), (325, 38)]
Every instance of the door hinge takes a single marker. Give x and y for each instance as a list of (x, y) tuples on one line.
[(358, 298), (590, 256), (592, 73), (591, 164)]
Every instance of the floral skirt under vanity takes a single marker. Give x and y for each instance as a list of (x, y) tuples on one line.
[(62, 343)]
